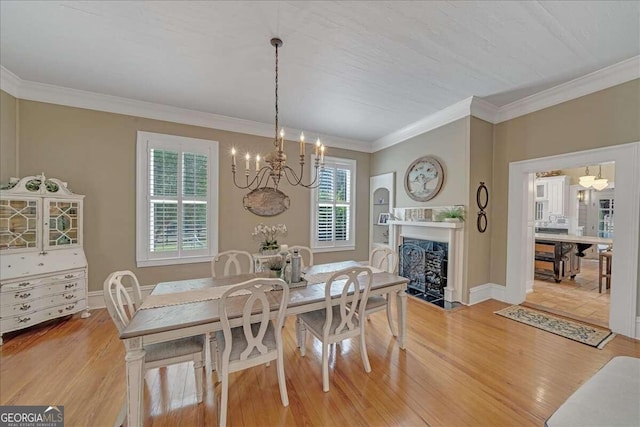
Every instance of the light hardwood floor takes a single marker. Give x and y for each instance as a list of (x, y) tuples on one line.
[(466, 367), (574, 298)]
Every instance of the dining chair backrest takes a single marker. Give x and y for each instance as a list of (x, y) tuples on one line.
[(231, 262), (384, 258), (355, 278), (249, 294), (119, 304), (305, 253)]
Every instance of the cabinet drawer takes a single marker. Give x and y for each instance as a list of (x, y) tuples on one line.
[(544, 266), (31, 294), (33, 305), (25, 320), (545, 249), (19, 285)]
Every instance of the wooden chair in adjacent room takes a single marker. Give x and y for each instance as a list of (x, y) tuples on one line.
[(231, 262), (604, 269), (305, 253), (335, 323), (382, 258), (121, 309), (255, 340)]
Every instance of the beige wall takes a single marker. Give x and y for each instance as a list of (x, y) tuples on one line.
[(448, 144), (95, 152), (605, 118), (478, 245), (8, 137)]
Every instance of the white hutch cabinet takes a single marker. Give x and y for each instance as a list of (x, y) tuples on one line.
[(43, 269)]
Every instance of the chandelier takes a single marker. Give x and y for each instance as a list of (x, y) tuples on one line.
[(598, 183), (586, 180), (266, 178)]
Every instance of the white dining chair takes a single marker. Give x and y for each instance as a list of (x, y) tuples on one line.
[(231, 262), (382, 258), (305, 253), (255, 340), (121, 308), (335, 323)]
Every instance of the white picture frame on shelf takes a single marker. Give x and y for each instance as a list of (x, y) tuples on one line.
[(383, 218)]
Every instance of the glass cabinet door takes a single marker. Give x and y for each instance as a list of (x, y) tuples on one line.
[(62, 223), (605, 218), (19, 220)]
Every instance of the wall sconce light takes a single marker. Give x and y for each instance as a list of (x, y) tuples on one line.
[(581, 195)]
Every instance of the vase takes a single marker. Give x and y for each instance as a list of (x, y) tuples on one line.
[(451, 220), (269, 248)]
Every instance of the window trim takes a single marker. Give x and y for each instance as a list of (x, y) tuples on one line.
[(146, 140), (350, 245)]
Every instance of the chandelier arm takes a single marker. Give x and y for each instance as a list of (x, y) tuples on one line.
[(296, 179), (312, 184), (253, 181)]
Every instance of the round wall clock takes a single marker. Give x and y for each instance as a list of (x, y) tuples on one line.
[(423, 179)]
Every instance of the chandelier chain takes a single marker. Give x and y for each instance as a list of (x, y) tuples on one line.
[(275, 140)]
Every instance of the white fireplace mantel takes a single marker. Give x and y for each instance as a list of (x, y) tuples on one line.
[(448, 232)]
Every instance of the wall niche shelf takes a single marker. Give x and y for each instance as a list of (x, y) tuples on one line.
[(381, 196)]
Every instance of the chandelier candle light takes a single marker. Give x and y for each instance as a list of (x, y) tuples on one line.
[(275, 166)]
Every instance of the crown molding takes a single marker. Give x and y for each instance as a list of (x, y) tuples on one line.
[(604, 78), (483, 109), (9, 82), (41, 92), (613, 75), (447, 115)]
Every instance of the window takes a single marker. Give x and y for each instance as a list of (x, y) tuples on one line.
[(176, 199), (333, 206)]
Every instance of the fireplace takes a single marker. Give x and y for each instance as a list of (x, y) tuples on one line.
[(445, 237), (425, 264)]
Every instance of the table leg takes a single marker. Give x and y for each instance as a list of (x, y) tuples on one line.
[(135, 380), (402, 318)]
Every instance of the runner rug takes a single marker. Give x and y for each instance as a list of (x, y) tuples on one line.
[(591, 335)]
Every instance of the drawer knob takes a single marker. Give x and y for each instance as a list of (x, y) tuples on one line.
[(70, 307), (71, 285), (24, 284), (24, 307), (69, 296), (23, 296), (69, 276), (23, 319)]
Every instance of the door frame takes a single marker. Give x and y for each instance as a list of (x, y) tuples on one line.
[(520, 228)]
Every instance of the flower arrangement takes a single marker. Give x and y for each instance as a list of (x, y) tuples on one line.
[(268, 234)]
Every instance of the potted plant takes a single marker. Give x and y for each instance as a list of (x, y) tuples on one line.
[(268, 234), (455, 214)]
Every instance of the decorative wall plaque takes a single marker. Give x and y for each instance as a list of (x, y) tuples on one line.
[(266, 201), (423, 179)]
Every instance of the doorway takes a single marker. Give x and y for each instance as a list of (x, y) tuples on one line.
[(574, 223), (521, 227)]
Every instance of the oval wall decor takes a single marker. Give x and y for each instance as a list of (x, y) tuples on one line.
[(266, 201), (482, 200)]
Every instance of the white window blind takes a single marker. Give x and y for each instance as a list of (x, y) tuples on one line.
[(332, 210), (176, 199)]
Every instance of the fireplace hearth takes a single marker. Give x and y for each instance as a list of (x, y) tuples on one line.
[(424, 263)]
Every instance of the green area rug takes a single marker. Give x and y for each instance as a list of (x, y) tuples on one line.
[(593, 336)]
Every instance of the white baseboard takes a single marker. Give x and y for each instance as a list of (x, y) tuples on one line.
[(487, 291), (96, 298), (637, 328)]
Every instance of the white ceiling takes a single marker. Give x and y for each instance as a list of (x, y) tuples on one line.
[(358, 70)]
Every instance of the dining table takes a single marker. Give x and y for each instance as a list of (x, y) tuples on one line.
[(185, 308)]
